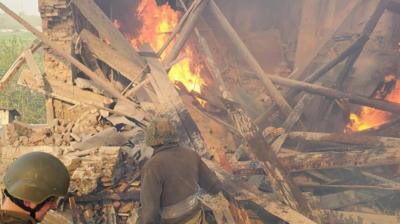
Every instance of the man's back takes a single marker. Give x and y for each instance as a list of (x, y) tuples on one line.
[(174, 174)]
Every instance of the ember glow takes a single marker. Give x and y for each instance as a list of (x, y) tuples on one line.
[(370, 117), (157, 24)]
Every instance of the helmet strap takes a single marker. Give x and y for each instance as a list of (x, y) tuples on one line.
[(20, 203)]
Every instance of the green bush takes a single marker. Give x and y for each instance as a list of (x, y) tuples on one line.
[(31, 105)]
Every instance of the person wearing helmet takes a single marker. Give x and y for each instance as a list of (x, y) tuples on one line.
[(33, 184), (172, 177)]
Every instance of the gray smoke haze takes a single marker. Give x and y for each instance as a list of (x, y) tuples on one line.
[(28, 7)]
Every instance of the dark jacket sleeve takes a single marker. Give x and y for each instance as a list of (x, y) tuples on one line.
[(207, 179), (150, 194)]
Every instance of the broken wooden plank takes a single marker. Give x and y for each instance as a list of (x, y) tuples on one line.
[(110, 56), (277, 97), (102, 82), (278, 176), (17, 64), (30, 61), (104, 26)]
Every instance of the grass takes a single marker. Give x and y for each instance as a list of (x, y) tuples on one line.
[(30, 105)]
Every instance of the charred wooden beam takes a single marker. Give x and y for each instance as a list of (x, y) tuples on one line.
[(110, 56), (284, 107), (208, 56), (60, 52), (178, 27), (104, 26), (185, 32)]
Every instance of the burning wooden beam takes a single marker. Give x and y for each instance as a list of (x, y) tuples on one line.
[(104, 26), (244, 192), (172, 103), (284, 107), (185, 32), (178, 27), (336, 94)]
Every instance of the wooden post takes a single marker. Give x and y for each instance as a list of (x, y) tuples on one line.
[(104, 26), (98, 80), (185, 32), (277, 97)]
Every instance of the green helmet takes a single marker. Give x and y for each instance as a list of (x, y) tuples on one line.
[(35, 177), (161, 131)]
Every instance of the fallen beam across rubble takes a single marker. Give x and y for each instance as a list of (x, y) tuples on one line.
[(341, 138), (336, 94)]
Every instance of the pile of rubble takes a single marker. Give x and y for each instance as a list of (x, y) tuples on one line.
[(103, 159)]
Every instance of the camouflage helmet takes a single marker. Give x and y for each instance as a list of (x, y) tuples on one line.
[(160, 131), (35, 177)]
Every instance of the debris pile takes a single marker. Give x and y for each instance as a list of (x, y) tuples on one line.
[(280, 143)]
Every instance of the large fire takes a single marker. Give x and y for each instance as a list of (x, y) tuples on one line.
[(157, 24), (370, 117)]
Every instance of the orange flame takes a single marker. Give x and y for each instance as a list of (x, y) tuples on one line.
[(370, 117), (158, 22)]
